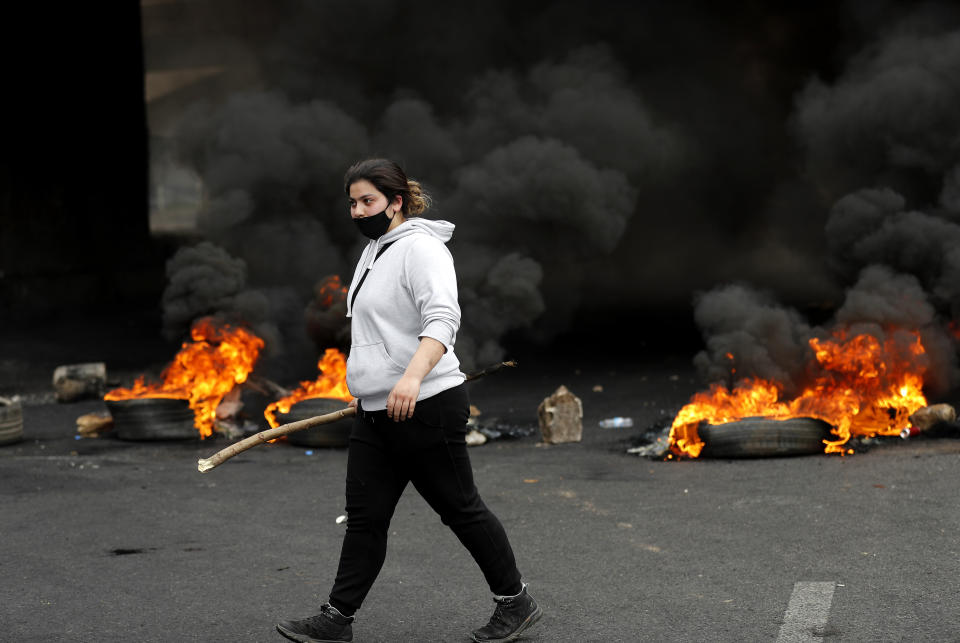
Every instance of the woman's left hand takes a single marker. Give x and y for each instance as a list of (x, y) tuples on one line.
[(403, 398)]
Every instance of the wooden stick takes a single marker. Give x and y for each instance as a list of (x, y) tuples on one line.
[(218, 458), (221, 456), (491, 369)]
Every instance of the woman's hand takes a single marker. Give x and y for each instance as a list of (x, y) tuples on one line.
[(353, 403), (403, 398)]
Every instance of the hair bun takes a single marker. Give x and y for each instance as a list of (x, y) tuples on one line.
[(419, 200)]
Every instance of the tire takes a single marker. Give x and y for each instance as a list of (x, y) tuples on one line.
[(11, 421), (764, 437), (335, 434), (153, 418)]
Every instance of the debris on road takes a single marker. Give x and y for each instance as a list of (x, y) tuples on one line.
[(493, 429), (561, 417), (654, 444), (72, 382), (616, 423), (928, 416), (234, 427), (93, 425), (230, 405), (475, 438), (497, 429)]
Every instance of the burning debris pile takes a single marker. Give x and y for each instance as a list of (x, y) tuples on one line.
[(323, 395), (202, 389), (861, 387), (891, 343), (219, 357), (331, 384), (880, 144), (206, 376)]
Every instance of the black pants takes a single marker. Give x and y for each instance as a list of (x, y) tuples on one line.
[(430, 451)]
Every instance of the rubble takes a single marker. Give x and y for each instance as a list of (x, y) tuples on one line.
[(655, 443), (92, 425), (475, 438), (74, 382), (496, 429), (493, 428), (928, 416), (230, 405), (561, 417), (234, 427)]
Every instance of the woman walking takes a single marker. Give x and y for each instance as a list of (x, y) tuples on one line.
[(412, 407)]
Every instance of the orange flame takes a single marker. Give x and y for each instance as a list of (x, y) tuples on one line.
[(203, 372), (332, 382), (866, 388)]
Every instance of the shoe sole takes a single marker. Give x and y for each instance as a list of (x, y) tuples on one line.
[(528, 623), (303, 638)]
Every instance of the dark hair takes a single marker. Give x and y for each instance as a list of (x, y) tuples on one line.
[(390, 179)]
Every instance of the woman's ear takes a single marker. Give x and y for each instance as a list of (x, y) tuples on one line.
[(398, 202)]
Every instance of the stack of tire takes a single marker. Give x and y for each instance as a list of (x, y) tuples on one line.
[(11, 421)]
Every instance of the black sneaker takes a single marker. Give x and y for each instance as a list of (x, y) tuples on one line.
[(329, 626), (512, 616)]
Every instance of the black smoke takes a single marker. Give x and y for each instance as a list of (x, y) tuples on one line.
[(880, 142), (540, 168), (602, 161)]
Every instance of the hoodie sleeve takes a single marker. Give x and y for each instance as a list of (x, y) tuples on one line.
[(432, 280)]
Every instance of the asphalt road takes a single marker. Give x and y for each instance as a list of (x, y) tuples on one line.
[(105, 540)]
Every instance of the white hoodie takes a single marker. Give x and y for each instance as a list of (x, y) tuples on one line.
[(410, 292)]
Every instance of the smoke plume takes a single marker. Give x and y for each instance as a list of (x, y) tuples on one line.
[(540, 172), (881, 141), (586, 165)]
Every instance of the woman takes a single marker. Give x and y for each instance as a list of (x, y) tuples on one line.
[(412, 407)]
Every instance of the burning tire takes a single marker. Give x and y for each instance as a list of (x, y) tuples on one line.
[(764, 437), (153, 418), (11, 421), (334, 434)]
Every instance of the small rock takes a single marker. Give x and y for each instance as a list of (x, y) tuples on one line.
[(72, 382), (92, 425), (475, 438), (561, 417)]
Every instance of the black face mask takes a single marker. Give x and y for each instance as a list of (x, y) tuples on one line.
[(375, 225)]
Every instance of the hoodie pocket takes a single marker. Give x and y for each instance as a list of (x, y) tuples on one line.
[(371, 370)]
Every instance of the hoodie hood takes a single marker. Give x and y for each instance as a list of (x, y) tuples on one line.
[(442, 230)]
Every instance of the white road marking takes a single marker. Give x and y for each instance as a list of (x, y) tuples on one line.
[(807, 613)]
